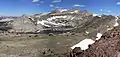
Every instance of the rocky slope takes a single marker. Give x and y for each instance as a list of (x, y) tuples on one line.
[(107, 46)]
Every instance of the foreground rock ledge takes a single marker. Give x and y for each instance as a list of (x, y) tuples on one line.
[(107, 46)]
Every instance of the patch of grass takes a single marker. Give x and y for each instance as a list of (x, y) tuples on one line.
[(48, 36)]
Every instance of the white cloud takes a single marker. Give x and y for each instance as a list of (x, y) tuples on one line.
[(118, 3), (35, 0), (51, 5), (101, 9), (78, 5), (58, 7), (56, 1), (104, 10), (109, 11)]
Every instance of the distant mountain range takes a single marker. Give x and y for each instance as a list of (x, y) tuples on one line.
[(64, 20)]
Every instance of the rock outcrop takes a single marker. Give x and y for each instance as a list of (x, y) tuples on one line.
[(107, 46)]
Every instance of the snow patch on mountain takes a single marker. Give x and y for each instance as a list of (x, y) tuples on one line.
[(87, 32), (109, 29), (46, 23), (76, 11), (116, 23), (96, 15), (55, 17), (98, 36), (84, 44), (43, 23), (62, 10), (5, 20), (50, 21)]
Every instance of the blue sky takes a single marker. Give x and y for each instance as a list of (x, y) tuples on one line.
[(19, 7)]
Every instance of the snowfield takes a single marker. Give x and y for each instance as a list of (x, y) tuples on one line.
[(50, 21), (55, 17), (84, 44)]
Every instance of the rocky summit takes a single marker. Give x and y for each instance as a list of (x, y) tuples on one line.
[(60, 33)]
